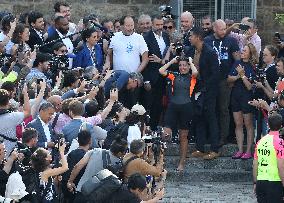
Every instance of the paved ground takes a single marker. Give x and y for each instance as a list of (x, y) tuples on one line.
[(209, 192)]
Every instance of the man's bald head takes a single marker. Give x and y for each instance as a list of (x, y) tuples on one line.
[(186, 19), (219, 27), (56, 101)]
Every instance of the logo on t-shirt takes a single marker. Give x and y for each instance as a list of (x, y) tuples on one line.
[(129, 47)]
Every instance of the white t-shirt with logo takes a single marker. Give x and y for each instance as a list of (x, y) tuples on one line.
[(127, 51)]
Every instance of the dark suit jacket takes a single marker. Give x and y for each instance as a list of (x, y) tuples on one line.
[(209, 71), (48, 48), (34, 39), (36, 124), (151, 72)]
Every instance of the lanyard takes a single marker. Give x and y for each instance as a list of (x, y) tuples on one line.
[(218, 51)]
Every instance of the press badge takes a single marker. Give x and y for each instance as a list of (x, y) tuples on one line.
[(224, 56)]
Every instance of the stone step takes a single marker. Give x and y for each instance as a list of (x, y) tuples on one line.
[(226, 151), (219, 163), (209, 175), (205, 192)]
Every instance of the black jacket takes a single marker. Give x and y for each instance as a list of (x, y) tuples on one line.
[(34, 39), (151, 72), (209, 71)]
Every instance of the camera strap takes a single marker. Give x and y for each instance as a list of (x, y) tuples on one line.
[(55, 121), (128, 161), (8, 138)]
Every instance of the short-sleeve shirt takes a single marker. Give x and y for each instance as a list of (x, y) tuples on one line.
[(94, 165), (249, 73), (224, 48), (127, 51), (9, 122)]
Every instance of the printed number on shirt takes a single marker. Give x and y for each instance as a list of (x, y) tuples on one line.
[(264, 152)]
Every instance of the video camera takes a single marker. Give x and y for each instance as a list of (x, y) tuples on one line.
[(155, 138), (260, 75), (59, 63), (166, 12), (178, 46)]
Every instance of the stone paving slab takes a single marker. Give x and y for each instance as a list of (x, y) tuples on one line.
[(204, 192), (226, 151), (219, 163)]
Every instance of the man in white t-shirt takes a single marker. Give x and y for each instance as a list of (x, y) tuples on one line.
[(125, 49)]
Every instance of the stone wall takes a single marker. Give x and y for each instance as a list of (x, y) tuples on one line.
[(104, 8), (112, 9), (266, 10)]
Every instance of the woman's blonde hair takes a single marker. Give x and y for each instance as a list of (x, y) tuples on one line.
[(254, 58)]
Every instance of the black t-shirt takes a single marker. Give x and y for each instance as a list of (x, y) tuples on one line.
[(224, 48), (3, 180), (73, 158), (123, 195)]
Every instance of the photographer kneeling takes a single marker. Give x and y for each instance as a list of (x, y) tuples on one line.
[(134, 163), (134, 192)]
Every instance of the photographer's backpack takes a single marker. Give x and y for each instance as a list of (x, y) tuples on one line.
[(120, 129), (101, 186)]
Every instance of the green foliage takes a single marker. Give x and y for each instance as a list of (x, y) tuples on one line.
[(280, 18)]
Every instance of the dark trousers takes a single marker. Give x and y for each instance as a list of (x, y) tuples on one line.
[(223, 102), (207, 119), (268, 191), (152, 101)]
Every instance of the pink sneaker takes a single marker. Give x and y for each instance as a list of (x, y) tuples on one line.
[(246, 156), (237, 155)]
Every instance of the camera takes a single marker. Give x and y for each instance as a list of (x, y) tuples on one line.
[(260, 75), (166, 11), (244, 27), (59, 63), (178, 46), (155, 138)]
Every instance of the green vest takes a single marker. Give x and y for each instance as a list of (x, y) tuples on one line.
[(267, 160)]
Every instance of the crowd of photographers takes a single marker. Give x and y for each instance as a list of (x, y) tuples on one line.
[(82, 105)]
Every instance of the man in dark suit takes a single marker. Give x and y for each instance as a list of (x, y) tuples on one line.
[(206, 60), (158, 43), (36, 29), (46, 135), (61, 26)]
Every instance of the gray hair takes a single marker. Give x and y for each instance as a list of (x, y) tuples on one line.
[(136, 76), (46, 105), (144, 16), (88, 72)]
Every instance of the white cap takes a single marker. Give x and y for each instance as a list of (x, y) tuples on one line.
[(138, 109)]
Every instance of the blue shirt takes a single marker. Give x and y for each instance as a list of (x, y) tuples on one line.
[(119, 80), (249, 73), (224, 49), (37, 74)]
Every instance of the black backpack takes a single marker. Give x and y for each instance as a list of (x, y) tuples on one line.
[(100, 187), (120, 129)]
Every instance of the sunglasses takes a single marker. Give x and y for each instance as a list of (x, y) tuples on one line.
[(64, 51), (168, 27)]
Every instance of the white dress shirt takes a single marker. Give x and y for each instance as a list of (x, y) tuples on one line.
[(68, 43), (46, 131), (161, 43)]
